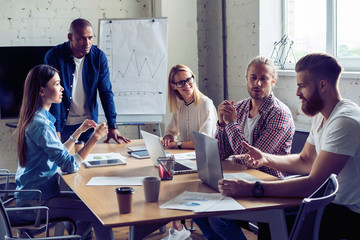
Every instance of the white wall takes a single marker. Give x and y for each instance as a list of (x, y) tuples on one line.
[(242, 44), (46, 23), (210, 49), (182, 36)]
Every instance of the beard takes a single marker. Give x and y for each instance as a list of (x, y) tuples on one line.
[(258, 95), (314, 105)]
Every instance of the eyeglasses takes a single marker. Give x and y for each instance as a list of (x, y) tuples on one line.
[(182, 83)]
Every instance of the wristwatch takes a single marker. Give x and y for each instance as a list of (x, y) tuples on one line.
[(179, 144), (74, 139), (258, 190)]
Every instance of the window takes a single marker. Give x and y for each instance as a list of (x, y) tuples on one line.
[(328, 26)]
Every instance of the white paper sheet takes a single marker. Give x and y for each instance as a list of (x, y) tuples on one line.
[(137, 63), (115, 181), (102, 156), (226, 204), (193, 201), (241, 175), (185, 156)]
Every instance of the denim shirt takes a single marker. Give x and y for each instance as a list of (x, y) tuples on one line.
[(44, 154), (96, 76)]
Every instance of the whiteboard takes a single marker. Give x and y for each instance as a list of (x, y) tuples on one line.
[(136, 50)]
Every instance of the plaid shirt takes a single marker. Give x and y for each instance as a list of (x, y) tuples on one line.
[(272, 134)]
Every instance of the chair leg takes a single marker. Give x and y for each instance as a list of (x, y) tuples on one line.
[(59, 229), (162, 229), (254, 228), (192, 228)]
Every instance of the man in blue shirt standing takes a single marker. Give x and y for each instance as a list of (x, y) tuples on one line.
[(83, 71)]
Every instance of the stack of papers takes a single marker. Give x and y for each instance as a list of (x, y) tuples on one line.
[(139, 152), (137, 148), (202, 202)]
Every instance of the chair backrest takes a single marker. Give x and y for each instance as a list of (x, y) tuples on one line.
[(308, 219), (298, 141), (5, 184), (5, 227)]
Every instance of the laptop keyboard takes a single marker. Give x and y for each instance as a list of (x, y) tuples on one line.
[(180, 167)]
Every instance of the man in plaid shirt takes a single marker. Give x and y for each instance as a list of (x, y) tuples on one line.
[(262, 120)]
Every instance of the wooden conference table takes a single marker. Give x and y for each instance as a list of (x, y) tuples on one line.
[(147, 217)]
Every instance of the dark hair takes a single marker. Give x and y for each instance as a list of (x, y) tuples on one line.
[(79, 23), (321, 67), (37, 77)]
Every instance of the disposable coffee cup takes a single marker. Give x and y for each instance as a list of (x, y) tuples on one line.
[(124, 197), (151, 188)]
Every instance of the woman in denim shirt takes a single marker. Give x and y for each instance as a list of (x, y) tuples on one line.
[(41, 152)]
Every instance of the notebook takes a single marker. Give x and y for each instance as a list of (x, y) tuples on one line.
[(209, 163), (156, 149)]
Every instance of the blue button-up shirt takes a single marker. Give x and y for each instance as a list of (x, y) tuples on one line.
[(44, 154), (95, 75)]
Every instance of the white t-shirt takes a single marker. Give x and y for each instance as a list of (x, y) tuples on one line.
[(79, 110), (249, 126), (341, 135), (201, 117)]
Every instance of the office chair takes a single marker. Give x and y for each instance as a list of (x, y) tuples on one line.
[(41, 224), (308, 219), (5, 225), (298, 141), (5, 176)]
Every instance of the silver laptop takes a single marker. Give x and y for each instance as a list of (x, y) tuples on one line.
[(209, 163), (156, 149)]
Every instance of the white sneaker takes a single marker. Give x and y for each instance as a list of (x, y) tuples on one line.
[(178, 235)]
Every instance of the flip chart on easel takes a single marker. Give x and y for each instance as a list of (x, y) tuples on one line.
[(136, 50)]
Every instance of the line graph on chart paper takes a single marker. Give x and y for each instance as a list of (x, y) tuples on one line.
[(137, 58), (137, 65)]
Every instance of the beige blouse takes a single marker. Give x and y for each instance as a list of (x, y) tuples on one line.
[(201, 117)]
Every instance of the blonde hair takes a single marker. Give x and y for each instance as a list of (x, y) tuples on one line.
[(263, 60), (174, 95)]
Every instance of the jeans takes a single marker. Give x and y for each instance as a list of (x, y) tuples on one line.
[(215, 228), (206, 229), (69, 130), (228, 229), (339, 222)]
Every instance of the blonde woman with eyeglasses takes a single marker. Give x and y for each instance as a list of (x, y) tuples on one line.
[(192, 111)]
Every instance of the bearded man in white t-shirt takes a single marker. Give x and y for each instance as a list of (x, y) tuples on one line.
[(333, 146)]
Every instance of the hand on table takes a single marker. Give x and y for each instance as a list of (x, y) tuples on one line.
[(116, 135), (234, 187), (167, 140)]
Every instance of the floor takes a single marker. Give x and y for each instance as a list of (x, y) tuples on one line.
[(122, 233)]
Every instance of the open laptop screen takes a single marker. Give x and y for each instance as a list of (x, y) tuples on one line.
[(155, 149), (208, 159)]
